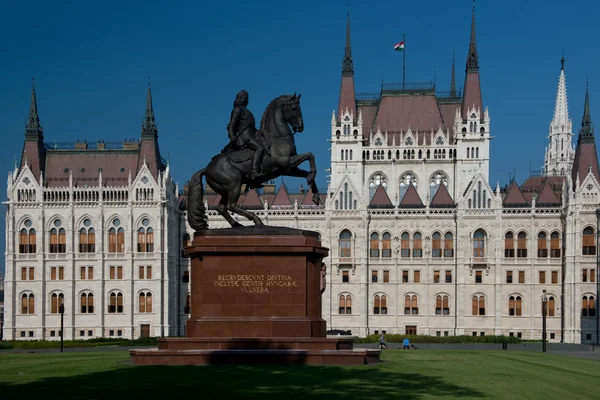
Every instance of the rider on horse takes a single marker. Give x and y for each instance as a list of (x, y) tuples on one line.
[(242, 132)]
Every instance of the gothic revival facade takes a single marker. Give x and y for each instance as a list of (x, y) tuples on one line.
[(420, 242)]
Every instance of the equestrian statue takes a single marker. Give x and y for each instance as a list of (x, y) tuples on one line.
[(252, 157)]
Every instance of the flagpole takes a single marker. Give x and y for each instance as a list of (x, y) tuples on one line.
[(403, 60)]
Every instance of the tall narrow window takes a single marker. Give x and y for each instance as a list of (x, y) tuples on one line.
[(87, 303), (449, 245), (550, 306), (478, 305), (27, 238), (405, 245), (554, 245), (115, 304), (515, 305), (542, 245), (588, 306), (417, 245), (377, 305), (374, 245), (386, 245), (479, 243), (87, 237), (145, 241), (588, 242), (28, 303), (522, 245), (436, 245), (345, 243), (55, 301), (442, 305), (509, 245), (145, 301)]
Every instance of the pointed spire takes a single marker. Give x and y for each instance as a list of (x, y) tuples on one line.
[(561, 107), (348, 65), (587, 128), (33, 128), (149, 128), (453, 78), (473, 57)]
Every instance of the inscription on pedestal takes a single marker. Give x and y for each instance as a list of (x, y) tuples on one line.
[(254, 283)]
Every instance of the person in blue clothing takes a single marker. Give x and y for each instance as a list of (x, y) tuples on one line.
[(382, 344), (406, 344)]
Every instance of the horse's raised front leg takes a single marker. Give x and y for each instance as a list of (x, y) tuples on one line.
[(298, 159), (300, 173)]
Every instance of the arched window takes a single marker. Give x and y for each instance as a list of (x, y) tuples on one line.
[(342, 151), (186, 242), (417, 245), (411, 305), (350, 154), (116, 237), (380, 304), (87, 303), (554, 245), (145, 302), (542, 245), (145, 242), (386, 245), (404, 245), (550, 306), (115, 304), (58, 238), (509, 245), (27, 238), (522, 245), (55, 301), (188, 304), (588, 242), (588, 306), (448, 244), (515, 306), (477, 152), (374, 245), (87, 237), (478, 305), (345, 244), (375, 181), (406, 180), (437, 179), (479, 243), (436, 245), (28, 303), (442, 305), (468, 152), (345, 304)]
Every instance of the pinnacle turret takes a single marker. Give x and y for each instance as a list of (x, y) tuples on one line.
[(561, 106), (149, 128), (33, 128), (587, 127), (348, 65), (453, 79), (473, 57)]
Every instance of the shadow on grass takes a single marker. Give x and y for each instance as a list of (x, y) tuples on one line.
[(247, 382)]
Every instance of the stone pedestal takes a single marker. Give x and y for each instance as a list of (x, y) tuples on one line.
[(256, 298)]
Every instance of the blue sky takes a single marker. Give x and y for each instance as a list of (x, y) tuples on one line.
[(92, 59)]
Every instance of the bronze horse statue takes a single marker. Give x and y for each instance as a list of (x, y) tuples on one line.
[(226, 173)]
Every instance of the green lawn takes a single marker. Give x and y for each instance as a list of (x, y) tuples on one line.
[(405, 375)]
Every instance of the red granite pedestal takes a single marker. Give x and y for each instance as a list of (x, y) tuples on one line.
[(256, 299)]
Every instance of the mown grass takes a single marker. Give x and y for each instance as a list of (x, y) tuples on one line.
[(405, 375)]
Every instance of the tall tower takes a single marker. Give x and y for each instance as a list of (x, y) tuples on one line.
[(34, 152), (150, 153), (586, 159), (558, 160)]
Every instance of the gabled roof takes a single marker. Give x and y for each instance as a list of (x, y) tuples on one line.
[(547, 197), (442, 199), (514, 197), (380, 199), (252, 201), (307, 200), (411, 198), (282, 198)]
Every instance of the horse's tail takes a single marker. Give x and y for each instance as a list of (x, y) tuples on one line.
[(195, 202)]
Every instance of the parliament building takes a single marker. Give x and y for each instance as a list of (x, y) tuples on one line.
[(420, 241)]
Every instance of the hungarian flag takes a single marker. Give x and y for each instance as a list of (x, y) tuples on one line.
[(399, 46)]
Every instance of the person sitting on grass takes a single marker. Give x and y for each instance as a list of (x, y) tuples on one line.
[(406, 344)]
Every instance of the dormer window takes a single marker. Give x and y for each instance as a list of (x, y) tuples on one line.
[(473, 116), (378, 142), (439, 141), (347, 119), (409, 142)]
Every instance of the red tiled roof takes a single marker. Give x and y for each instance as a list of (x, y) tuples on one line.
[(472, 94), (150, 154), (534, 183), (307, 200), (585, 156), (514, 197), (85, 165), (380, 199), (398, 113), (251, 200), (33, 152), (448, 112), (282, 198), (411, 198), (369, 113), (547, 196), (442, 198), (347, 99)]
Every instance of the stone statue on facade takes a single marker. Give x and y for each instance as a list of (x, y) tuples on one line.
[(251, 158)]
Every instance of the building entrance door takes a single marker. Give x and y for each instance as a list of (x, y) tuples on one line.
[(144, 330), (411, 329)]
